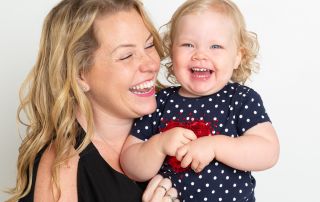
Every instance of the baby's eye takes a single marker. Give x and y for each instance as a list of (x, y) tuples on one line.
[(124, 57), (215, 46), (188, 45)]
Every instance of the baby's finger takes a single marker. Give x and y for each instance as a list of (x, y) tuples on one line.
[(189, 134), (187, 159), (184, 141), (200, 167), (181, 152), (195, 164)]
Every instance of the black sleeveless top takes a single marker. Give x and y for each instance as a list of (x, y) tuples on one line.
[(97, 181)]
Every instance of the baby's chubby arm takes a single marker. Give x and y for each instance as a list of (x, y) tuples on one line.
[(257, 149), (141, 160)]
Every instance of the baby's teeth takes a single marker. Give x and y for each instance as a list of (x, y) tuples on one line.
[(199, 69)]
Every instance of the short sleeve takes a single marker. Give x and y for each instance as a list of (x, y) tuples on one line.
[(143, 127), (148, 125), (251, 111)]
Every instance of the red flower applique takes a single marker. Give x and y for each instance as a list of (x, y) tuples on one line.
[(200, 128)]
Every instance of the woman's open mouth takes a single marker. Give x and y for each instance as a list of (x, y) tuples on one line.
[(143, 89)]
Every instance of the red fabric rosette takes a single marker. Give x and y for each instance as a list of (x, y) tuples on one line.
[(200, 128)]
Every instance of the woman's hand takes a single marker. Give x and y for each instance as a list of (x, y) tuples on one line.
[(160, 189)]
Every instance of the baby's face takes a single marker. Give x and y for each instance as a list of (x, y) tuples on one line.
[(204, 52)]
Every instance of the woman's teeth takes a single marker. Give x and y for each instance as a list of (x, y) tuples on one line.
[(142, 87)]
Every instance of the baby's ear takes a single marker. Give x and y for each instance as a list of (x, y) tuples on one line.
[(238, 59)]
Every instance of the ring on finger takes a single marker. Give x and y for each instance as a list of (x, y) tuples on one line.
[(163, 187)]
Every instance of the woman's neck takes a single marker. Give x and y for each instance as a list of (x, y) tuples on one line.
[(109, 135), (108, 127)]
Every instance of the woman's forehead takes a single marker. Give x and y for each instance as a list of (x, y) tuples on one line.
[(121, 27)]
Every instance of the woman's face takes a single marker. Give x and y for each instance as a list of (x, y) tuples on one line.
[(121, 81)]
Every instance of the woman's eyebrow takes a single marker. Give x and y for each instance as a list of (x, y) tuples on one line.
[(129, 45), (123, 46)]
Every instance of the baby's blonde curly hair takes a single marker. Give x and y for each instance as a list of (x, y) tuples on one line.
[(246, 40)]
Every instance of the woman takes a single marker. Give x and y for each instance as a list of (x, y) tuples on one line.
[(95, 72)]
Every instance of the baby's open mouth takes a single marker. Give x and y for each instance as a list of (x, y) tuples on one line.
[(201, 72)]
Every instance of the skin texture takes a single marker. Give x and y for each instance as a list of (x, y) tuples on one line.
[(211, 45), (121, 62)]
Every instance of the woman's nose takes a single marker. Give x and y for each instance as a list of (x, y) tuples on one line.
[(150, 62)]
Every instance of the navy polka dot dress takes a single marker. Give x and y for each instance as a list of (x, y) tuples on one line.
[(231, 111)]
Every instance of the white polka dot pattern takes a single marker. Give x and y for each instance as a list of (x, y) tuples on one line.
[(231, 111)]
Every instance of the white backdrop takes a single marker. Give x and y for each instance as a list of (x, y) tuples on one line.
[(288, 32)]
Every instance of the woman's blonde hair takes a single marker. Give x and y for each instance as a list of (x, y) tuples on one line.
[(50, 95), (247, 41)]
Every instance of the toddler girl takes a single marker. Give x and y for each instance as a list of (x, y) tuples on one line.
[(212, 129)]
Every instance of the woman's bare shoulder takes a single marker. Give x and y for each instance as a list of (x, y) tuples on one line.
[(44, 189)]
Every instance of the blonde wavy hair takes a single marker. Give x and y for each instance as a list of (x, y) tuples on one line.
[(247, 41), (50, 95)]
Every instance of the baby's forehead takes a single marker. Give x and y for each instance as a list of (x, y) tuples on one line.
[(213, 23)]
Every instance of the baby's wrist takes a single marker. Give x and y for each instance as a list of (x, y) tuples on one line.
[(159, 144)]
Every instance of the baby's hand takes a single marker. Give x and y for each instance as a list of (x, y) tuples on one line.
[(199, 153), (174, 138)]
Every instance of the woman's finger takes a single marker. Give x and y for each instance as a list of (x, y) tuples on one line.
[(152, 186), (171, 195), (160, 191), (166, 198)]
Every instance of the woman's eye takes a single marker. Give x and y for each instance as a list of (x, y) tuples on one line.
[(125, 57), (188, 45), (151, 45), (215, 46)]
